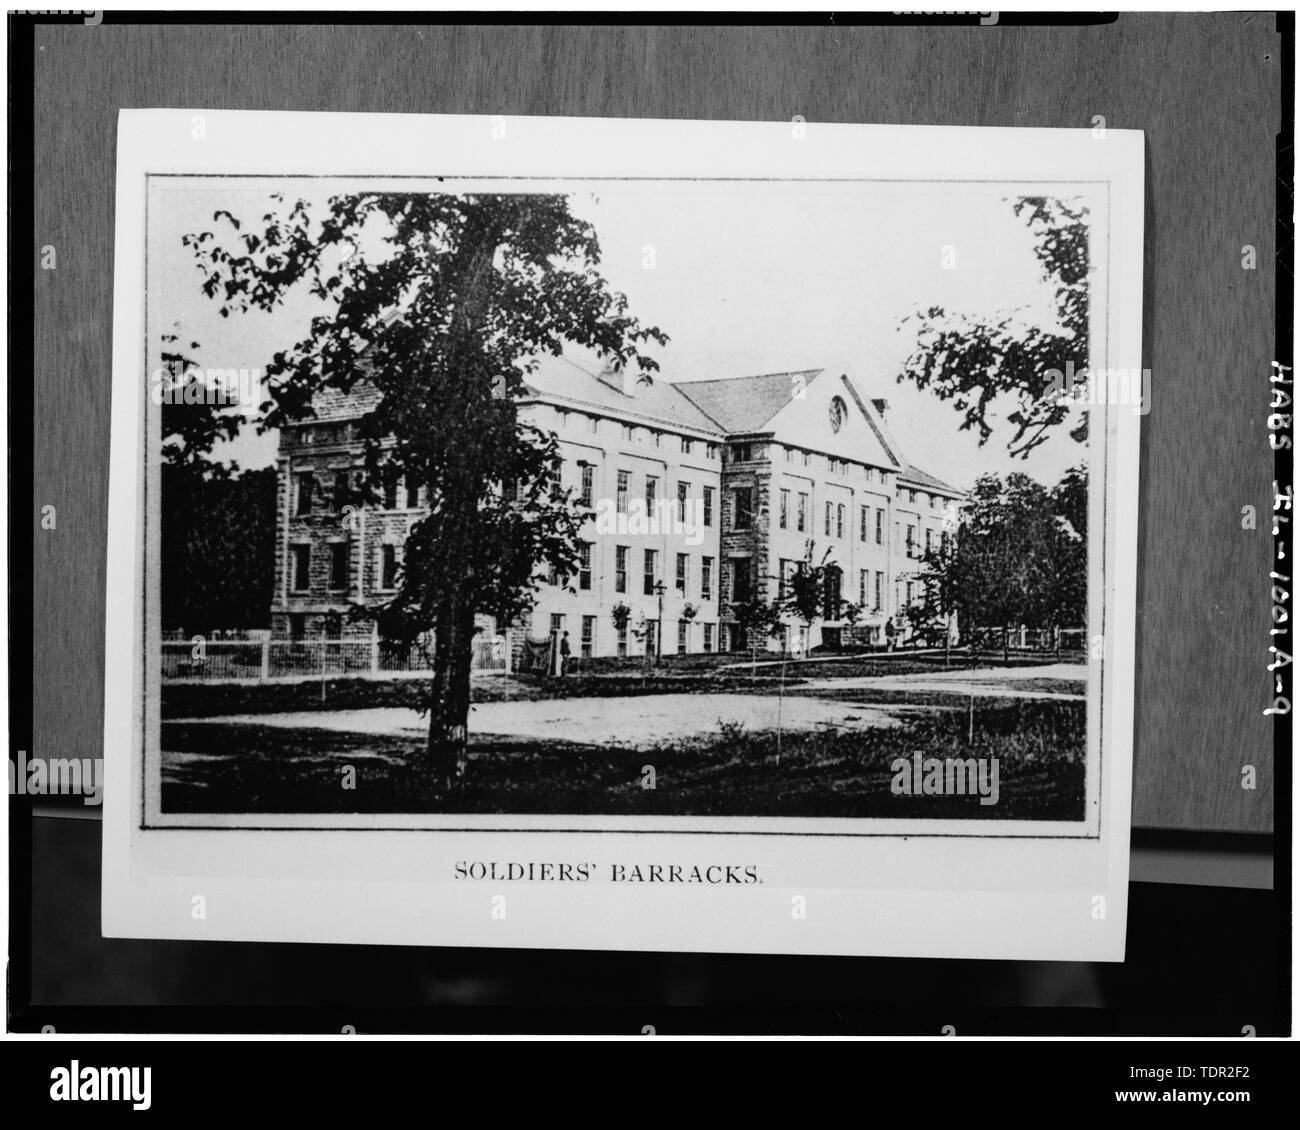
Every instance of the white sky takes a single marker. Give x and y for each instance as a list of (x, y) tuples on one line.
[(750, 278)]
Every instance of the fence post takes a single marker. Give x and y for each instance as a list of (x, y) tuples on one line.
[(266, 659)]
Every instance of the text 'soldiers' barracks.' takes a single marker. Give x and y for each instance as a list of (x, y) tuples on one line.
[(704, 494)]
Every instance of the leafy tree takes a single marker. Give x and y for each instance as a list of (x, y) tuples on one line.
[(217, 528), (442, 303), (805, 589), (193, 418), (972, 360), (754, 617), (217, 548), (1016, 559)]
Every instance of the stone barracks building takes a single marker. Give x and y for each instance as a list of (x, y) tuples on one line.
[(702, 494)]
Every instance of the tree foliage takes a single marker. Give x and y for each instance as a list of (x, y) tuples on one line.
[(217, 522), (973, 360), (217, 548), (1019, 557), (443, 303)]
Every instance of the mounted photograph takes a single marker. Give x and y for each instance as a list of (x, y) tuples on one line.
[(753, 498)]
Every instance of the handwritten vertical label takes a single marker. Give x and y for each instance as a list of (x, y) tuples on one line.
[(1281, 394)]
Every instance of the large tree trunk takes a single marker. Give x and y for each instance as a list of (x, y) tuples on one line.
[(449, 694)]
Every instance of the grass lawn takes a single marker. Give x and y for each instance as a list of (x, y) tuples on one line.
[(256, 769)]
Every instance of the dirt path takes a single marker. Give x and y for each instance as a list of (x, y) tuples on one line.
[(634, 720)]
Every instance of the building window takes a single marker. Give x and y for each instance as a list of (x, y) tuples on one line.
[(863, 577), (342, 489), (297, 625), (628, 432), (620, 568), (862, 523), (584, 565), (339, 565), (880, 527), (710, 451), (708, 506), (740, 579), (785, 570), (552, 574), (706, 578), (681, 573), (648, 578), (557, 623), (651, 492), (911, 497), (682, 490), (686, 446), (306, 485), (621, 498), (708, 637), (622, 641), (839, 521), (390, 494), (801, 518), (785, 510), (740, 453), (412, 493), (681, 636), (301, 567), (929, 540), (880, 592), (587, 473), (388, 567), (911, 540), (829, 515), (742, 508), (588, 636)]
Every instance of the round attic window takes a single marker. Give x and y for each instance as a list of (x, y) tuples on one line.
[(839, 413)]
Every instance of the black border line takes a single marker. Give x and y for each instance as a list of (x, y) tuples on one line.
[(145, 815)]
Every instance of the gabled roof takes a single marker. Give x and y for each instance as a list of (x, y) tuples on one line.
[(660, 402), (745, 404), (914, 477)]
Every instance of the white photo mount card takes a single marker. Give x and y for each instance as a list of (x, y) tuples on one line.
[(606, 534)]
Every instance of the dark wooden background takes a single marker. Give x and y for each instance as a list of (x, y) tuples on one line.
[(1206, 89)]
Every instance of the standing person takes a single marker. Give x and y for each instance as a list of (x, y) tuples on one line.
[(564, 655), (890, 631)]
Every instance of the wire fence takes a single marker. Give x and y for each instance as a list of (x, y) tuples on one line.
[(265, 660)]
